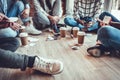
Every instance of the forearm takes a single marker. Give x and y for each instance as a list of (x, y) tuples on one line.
[(115, 24), (5, 24)]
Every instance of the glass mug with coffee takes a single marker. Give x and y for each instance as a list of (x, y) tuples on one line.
[(81, 35), (24, 38)]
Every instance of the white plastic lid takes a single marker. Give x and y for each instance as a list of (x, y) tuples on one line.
[(62, 28), (75, 28), (81, 33), (22, 27), (24, 34), (13, 19)]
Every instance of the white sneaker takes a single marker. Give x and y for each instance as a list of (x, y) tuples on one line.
[(48, 66), (31, 30)]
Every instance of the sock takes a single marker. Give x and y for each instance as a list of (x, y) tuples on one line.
[(31, 60)]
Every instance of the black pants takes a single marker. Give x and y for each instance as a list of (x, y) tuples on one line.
[(10, 59)]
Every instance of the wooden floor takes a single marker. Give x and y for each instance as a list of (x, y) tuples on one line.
[(78, 65)]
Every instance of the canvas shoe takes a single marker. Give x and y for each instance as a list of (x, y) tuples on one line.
[(48, 66), (96, 51), (31, 30)]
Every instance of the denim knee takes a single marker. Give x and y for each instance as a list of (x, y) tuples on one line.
[(105, 32), (7, 32), (19, 4), (15, 42), (66, 20), (104, 14)]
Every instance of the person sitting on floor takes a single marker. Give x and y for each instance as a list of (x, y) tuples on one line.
[(47, 14), (17, 8), (85, 18), (108, 40), (10, 59)]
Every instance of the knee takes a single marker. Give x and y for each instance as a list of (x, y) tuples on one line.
[(7, 32), (5, 35), (105, 13), (15, 42), (19, 3), (44, 21), (39, 19), (47, 22), (66, 20), (20, 6), (105, 31)]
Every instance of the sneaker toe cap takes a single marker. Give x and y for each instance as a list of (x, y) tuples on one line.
[(57, 67)]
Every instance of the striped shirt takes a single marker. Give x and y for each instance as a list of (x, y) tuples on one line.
[(87, 8)]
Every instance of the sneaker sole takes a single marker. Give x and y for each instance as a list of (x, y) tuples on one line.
[(34, 34)]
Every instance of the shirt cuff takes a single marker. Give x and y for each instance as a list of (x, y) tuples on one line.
[(27, 6)]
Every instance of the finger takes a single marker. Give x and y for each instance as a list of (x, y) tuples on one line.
[(13, 28), (17, 28), (25, 15)]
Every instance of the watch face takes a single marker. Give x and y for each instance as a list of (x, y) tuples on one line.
[(107, 19)]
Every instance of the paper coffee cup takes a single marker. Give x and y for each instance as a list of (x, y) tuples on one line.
[(75, 31), (62, 31), (22, 29), (81, 37), (24, 38)]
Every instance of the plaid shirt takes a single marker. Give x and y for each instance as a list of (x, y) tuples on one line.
[(87, 8), (4, 21)]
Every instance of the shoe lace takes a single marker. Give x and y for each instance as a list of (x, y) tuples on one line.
[(44, 65)]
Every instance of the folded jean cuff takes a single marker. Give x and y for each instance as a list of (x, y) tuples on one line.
[(25, 63)]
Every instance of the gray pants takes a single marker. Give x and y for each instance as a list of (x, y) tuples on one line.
[(9, 59), (40, 19)]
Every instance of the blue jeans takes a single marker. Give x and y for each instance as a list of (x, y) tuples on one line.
[(40, 19), (9, 59), (109, 36), (14, 11), (73, 23), (102, 15), (8, 32)]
